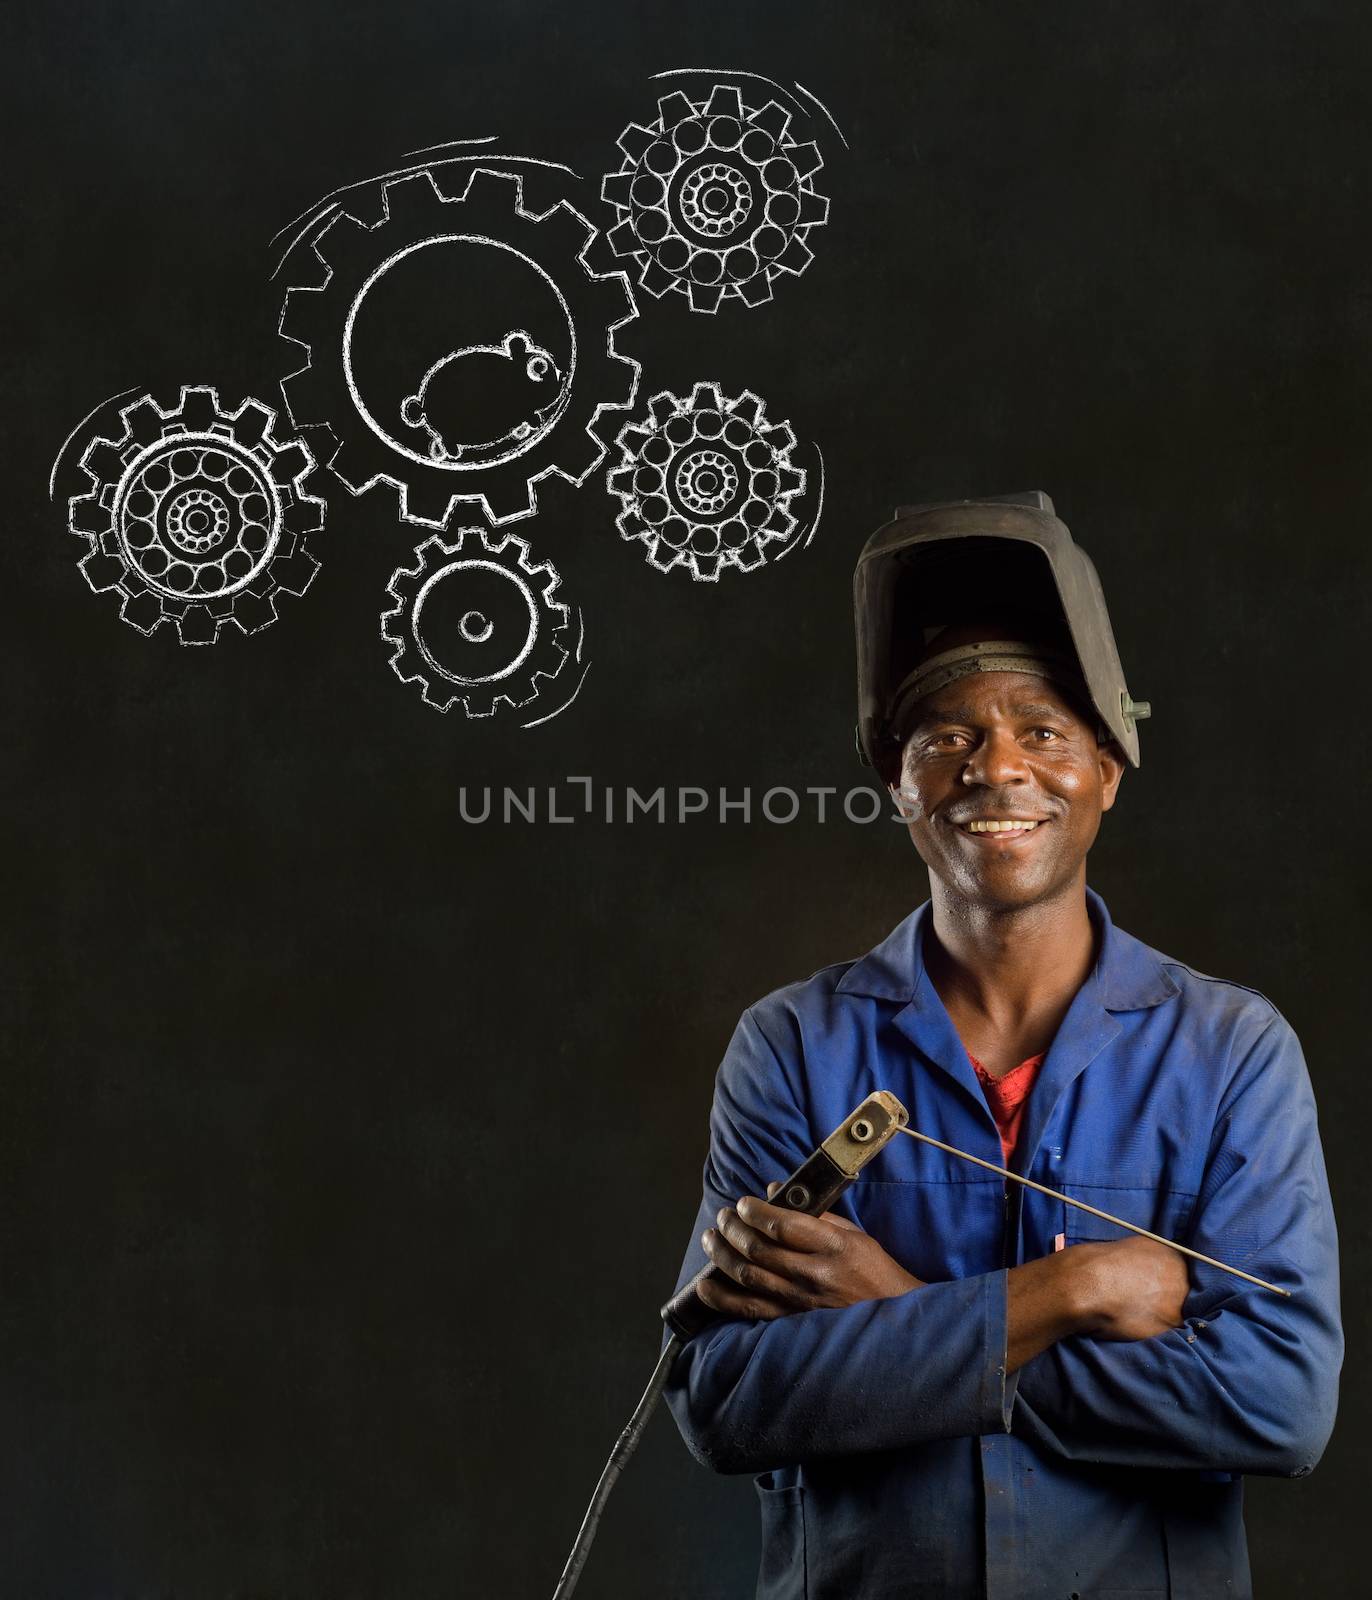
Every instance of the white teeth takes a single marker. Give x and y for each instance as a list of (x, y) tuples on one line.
[(999, 827)]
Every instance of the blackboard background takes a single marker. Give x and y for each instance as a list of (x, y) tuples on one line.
[(276, 1317)]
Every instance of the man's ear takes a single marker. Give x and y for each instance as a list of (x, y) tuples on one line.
[(1112, 765), (892, 773)]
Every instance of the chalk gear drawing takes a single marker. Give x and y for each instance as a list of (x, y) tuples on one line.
[(475, 621), (715, 198), (460, 347), (707, 483), (197, 515)]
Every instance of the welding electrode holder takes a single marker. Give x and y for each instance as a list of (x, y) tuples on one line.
[(812, 1188)]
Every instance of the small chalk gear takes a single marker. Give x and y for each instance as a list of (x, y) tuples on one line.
[(715, 199), (510, 637), (197, 515), (706, 483)]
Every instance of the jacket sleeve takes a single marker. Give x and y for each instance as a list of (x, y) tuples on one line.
[(753, 1396), (1249, 1383)]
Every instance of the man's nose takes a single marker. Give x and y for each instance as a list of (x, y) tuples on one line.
[(997, 759)]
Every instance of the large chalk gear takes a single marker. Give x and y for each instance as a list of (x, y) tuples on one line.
[(957, 561)]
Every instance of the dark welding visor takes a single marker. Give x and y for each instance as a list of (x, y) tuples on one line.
[(1009, 559)]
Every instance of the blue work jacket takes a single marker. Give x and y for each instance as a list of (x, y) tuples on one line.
[(894, 1457)]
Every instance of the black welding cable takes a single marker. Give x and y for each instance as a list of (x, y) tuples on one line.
[(623, 1449)]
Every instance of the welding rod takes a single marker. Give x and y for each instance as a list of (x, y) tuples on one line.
[(1105, 1216)]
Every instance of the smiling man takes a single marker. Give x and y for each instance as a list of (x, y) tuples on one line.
[(951, 1386)]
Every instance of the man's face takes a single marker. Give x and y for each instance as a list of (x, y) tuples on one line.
[(1004, 746)]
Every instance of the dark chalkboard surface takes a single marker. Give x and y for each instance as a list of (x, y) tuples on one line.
[(350, 1144)]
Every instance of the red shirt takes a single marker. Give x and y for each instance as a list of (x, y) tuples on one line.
[(1008, 1096)]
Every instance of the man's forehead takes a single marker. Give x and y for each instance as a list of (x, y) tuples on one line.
[(1014, 694)]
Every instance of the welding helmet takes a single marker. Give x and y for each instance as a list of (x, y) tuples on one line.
[(1006, 557)]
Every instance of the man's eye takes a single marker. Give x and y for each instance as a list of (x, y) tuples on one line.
[(944, 739), (1051, 732)]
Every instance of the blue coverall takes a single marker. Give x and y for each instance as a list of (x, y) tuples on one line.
[(894, 1457)]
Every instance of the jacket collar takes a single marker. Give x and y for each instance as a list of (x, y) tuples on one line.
[(1128, 975)]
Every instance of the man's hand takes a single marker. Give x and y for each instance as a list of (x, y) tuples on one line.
[(774, 1262), (1129, 1288), (1124, 1289)]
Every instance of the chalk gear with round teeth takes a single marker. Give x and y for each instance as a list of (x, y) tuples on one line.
[(715, 199), (706, 482), (935, 565), (478, 208), (197, 515)]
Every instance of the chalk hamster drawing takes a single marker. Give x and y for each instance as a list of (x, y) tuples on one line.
[(467, 391), (476, 623)]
